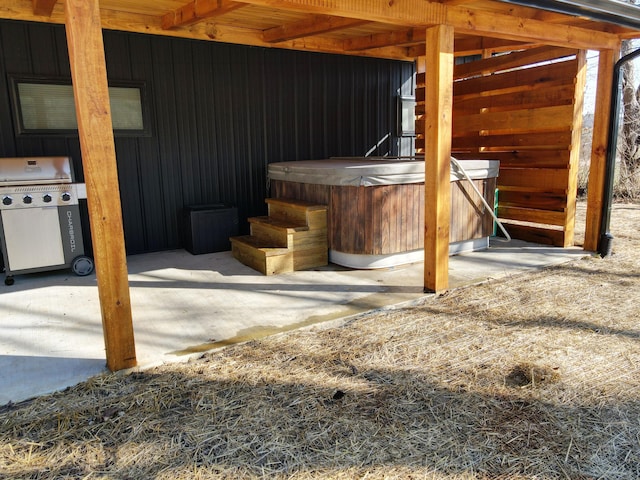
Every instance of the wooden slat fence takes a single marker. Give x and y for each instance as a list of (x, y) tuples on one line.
[(524, 109)]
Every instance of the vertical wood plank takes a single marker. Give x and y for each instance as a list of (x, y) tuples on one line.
[(574, 157), (91, 94), (371, 232), (416, 232), (437, 129), (598, 165), (359, 213), (385, 222), (377, 220), (419, 239)]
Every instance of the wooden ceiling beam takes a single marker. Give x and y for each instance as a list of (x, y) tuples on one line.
[(486, 45), (416, 13), (310, 26), (421, 13), (493, 25), (516, 10), (398, 37), (43, 7), (414, 39), (528, 30), (197, 11), (151, 25), (243, 36)]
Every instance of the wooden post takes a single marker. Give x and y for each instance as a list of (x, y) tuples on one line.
[(437, 130), (91, 94), (595, 190), (574, 155)]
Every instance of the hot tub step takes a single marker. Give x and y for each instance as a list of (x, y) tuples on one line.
[(292, 237), (254, 253), (277, 233), (298, 212)]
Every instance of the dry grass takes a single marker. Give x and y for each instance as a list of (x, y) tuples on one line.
[(532, 376)]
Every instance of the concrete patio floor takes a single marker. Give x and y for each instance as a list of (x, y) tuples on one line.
[(183, 304)]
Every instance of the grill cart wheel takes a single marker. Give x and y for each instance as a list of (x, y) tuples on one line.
[(82, 265), (8, 281)]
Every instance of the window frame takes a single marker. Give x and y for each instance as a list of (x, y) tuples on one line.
[(21, 130), (406, 103)]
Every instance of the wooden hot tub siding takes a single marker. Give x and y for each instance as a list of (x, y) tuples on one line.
[(387, 219)]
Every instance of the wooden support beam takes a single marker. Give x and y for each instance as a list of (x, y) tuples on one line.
[(150, 25), (521, 29), (473, 45), (574, 156), (398, 37), (312, 25), (421, 13), (415, 37), (224, 33), (43, 7), (437, 154), (147, 24), (465, 46), (198, 10), (91, 94), (597, 168), (405, 13)]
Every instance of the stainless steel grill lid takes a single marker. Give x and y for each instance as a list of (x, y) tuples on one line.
[(34, 170)]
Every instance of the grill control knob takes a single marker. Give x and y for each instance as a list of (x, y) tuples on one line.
[(7, 200), (27, 199), (46, 198), (66, 197)]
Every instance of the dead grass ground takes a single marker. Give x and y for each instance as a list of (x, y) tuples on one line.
[(533, 376)]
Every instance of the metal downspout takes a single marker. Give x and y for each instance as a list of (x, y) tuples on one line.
[(606, 239)]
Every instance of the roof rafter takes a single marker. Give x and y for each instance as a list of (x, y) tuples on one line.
[(140, 23), (245, 36), (420, 13), (398, 37), (196, 11), (414, 39), (312, 25), (478, 45), (43, 7)]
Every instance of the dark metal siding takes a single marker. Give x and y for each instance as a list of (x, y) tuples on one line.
[(219, 114)]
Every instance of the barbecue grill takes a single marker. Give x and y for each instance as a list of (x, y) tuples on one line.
[(40, 226)]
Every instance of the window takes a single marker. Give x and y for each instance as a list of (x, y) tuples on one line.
[(47, 107), (406, 116)]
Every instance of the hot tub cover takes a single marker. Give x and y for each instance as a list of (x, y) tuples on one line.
[(370, 171)]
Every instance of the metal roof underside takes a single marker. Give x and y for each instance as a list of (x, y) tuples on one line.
[(610, 11)]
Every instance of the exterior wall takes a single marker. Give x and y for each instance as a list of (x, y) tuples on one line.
[(219, 114)]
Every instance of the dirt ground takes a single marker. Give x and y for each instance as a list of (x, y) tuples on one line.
[(532, 376)]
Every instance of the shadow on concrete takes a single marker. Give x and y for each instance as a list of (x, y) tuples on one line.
[(26, 376)]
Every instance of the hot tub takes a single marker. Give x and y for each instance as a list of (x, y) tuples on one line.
[(376, 206)]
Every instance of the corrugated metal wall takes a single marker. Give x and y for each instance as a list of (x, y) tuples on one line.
[(220, 113)]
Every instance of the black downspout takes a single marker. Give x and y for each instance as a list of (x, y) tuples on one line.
[(605, 243)]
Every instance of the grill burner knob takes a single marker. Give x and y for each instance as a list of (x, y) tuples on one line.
[(46, 198), (27, 199), (7, 200), (66, 197)]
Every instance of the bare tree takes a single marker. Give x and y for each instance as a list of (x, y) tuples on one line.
[(628, 183)]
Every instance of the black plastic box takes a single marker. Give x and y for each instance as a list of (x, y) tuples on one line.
[(208, 227)]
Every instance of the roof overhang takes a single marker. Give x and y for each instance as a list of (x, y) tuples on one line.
[(375, 28), (610, 11)]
